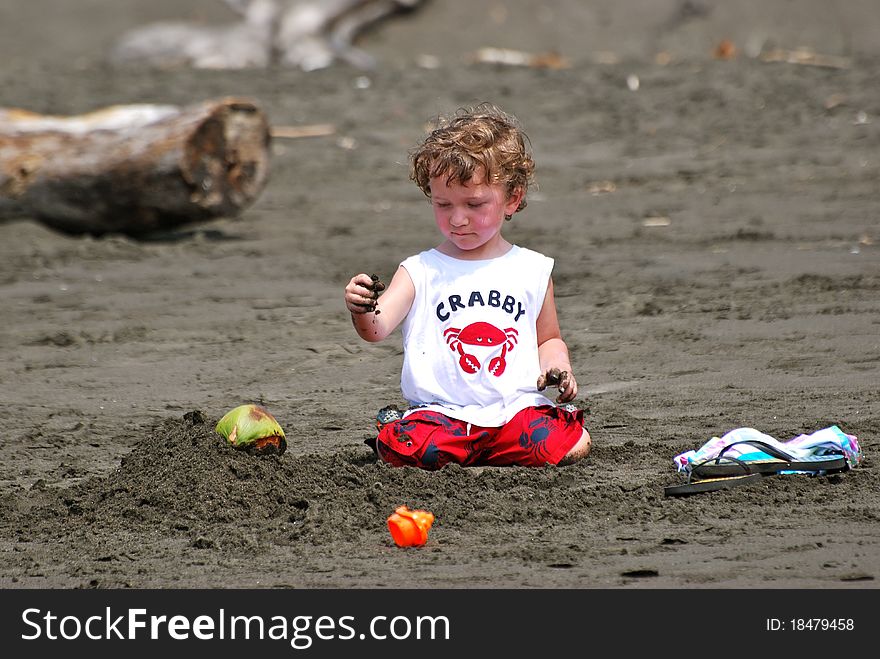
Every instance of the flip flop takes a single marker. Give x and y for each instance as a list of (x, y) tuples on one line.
[(710, 485), (766, 459)]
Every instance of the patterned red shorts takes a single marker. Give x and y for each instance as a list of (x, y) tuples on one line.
[(536, 436)]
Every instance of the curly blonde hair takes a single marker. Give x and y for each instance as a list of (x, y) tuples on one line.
[(479, 138)]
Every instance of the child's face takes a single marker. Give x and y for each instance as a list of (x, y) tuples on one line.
[(470, 215)]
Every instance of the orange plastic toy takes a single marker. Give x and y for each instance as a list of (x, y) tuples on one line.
[(409, 528)]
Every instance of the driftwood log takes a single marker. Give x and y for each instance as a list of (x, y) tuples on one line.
[(309, 34), (133, 169)]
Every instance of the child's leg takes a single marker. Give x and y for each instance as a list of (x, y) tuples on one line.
[(425, 439), (538, 436), (579, 451)]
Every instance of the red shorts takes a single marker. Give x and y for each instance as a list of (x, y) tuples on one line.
[(536, 436)]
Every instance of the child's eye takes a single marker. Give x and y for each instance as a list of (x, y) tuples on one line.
[(475, 204)]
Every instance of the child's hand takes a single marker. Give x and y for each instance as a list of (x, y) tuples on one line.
[(563, 380), (362, 293)]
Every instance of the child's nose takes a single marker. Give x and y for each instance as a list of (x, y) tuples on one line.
[(458, 218)]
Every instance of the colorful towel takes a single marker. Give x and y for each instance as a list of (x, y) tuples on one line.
[(828, 441)]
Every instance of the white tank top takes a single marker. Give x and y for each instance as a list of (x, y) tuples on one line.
[(470, 343)]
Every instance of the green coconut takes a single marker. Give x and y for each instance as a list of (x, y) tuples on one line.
[(251, 428)]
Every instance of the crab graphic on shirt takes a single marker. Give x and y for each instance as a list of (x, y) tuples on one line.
[(481, 334)]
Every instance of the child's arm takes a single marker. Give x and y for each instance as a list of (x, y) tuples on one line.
[(553, 353), (396, 301)]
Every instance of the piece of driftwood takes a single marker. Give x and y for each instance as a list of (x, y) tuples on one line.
[(314, 34), (309, 34), (133, 169), (245, 44), (807, 57), (310, 130)]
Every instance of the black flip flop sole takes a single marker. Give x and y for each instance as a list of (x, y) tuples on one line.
[(710, 485), (815, 464)]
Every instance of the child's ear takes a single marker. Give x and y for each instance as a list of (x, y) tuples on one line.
[(513, 201)]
